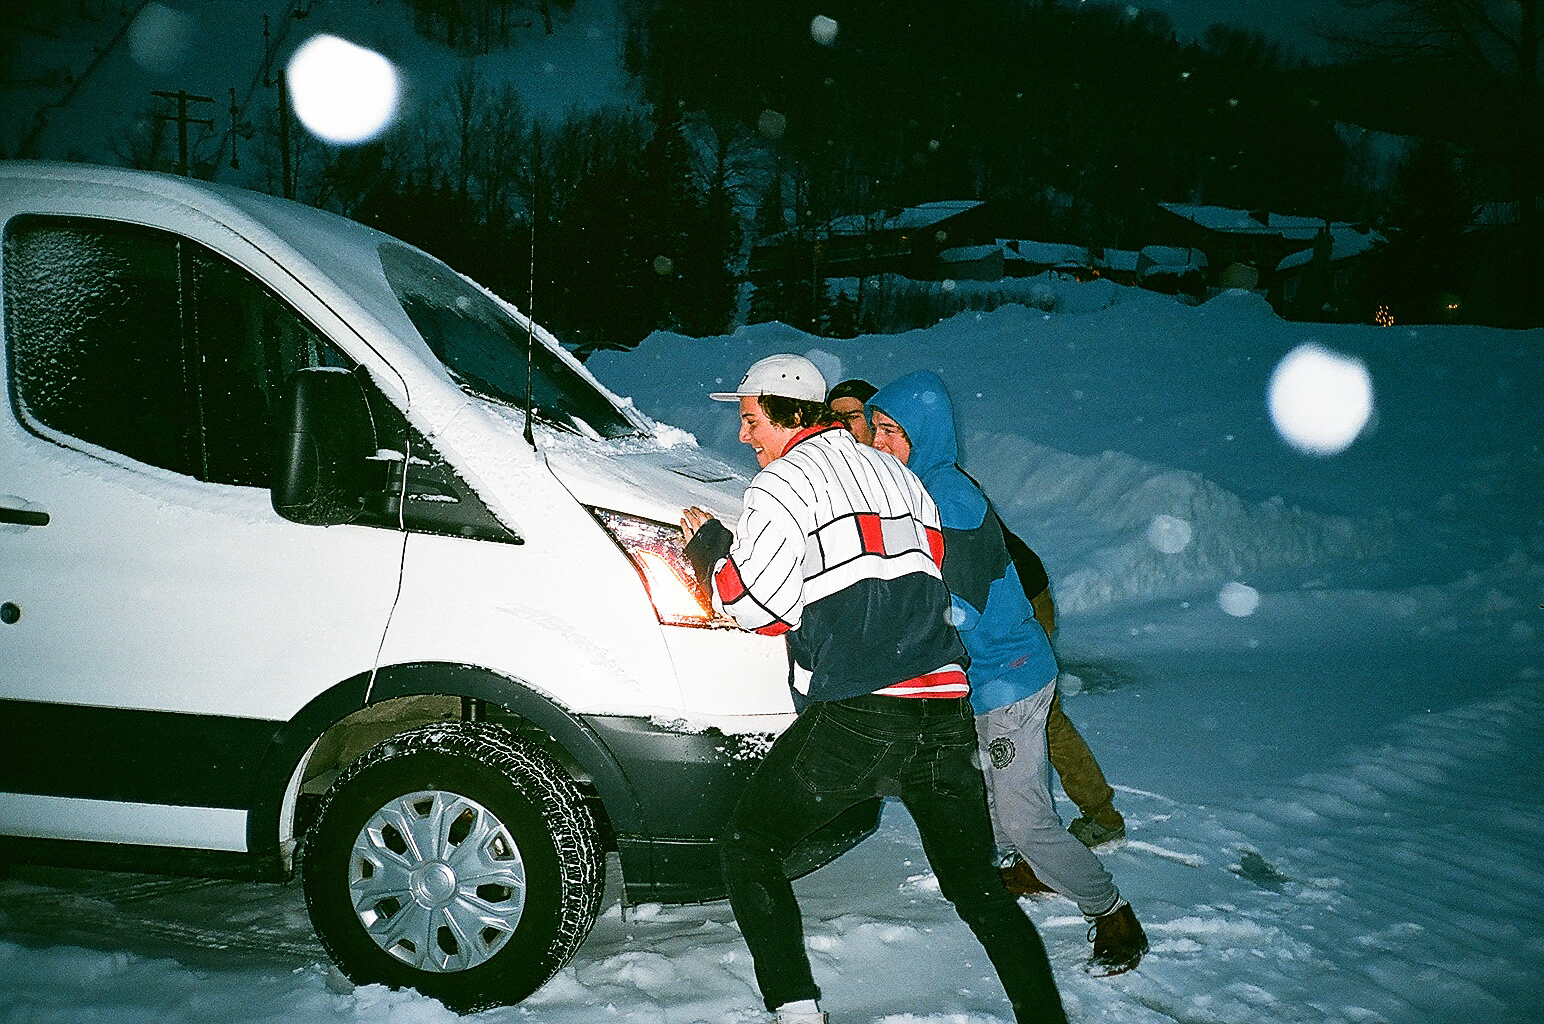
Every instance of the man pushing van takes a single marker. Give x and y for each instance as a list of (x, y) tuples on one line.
[(839, 550)]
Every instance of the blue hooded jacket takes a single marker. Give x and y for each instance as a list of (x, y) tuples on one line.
[(1010, 655)]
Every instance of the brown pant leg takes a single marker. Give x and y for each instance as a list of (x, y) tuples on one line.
[(1074, 762)]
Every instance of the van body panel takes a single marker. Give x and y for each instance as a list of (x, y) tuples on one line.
[(150, 590), (118, 821), (715, 697), (519, 610)]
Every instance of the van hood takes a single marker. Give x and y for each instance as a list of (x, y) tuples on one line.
[(653, 476), (644, 477)]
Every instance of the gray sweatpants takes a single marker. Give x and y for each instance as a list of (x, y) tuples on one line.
[(1018, 785)]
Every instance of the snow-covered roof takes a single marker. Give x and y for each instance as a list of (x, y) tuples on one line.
[(1119, 259), (1347, 242), (969, 253), (910, 219), (1051, 254), (1226, 220), (1169, 258)]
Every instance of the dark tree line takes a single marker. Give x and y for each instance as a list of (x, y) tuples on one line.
[(1467, 76), (1072, 119), (632, 218)]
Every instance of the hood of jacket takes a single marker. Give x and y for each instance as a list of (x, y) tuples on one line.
[(920, 404)]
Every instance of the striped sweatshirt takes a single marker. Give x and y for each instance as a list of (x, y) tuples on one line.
[(840, 549)]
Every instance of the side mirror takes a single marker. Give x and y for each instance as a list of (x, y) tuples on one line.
[(323, 442)]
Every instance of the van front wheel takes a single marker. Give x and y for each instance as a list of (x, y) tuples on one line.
[(457, 860)]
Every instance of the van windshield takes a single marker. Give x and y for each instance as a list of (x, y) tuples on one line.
[(484, 347)]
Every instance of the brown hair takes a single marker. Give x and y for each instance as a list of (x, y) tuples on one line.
[(795, 412)]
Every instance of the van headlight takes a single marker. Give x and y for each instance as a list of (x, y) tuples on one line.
[(658, 552)]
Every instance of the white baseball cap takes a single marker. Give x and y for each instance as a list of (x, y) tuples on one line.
[(785, 375)]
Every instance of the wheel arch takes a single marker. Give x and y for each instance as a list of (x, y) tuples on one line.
[(271, 821)]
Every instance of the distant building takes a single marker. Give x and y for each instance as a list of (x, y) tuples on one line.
[(1025, 258), (1279, 249), (972, 263), (1173, 270), (909, 242), (1118, 265), (1315, 283), (1255, 238)]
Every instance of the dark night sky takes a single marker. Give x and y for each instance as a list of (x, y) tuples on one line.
[(1286, 21)]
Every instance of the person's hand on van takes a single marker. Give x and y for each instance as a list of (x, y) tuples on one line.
[(692, 520), (707, 541)]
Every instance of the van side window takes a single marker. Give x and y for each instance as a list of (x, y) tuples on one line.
[(148, 344), (248, 343), (96, 342)]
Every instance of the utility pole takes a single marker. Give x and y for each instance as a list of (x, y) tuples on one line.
[(285, 175), (183, 98), (235, 127)]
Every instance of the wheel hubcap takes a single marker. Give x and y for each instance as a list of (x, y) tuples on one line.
[(434, 884), (437, 881)]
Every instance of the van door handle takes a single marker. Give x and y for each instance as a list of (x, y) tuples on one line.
[(23, 516)]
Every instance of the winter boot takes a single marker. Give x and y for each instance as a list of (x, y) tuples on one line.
[(1118, 939), (1020, 879), (1103, 824)]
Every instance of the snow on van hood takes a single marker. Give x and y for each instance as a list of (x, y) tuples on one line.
[(652, 475)]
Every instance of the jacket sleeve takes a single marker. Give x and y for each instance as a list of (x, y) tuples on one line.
[(761, 583)]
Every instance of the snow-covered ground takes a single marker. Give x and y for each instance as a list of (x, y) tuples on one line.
[(1334, 801)]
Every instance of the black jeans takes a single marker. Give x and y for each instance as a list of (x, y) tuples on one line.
[(837, 754)]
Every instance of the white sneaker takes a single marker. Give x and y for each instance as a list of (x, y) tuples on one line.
[(802, 1017)]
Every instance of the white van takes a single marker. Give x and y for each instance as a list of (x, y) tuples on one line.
[(288, 582)]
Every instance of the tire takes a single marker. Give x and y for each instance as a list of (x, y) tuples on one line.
[(456, 860)]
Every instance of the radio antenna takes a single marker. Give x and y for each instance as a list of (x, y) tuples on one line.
[(530, 334)]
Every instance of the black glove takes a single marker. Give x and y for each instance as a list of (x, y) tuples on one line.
[(707, 546)]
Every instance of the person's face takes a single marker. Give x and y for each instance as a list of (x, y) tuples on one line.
[(850, 412), (889, 437), (767, 439)]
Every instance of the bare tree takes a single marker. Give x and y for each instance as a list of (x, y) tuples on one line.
[(465, 99), (501, 126), (143, 144)]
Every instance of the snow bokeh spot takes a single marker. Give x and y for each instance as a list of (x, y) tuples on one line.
[(1238, 599), (771, 124), (1320, 400), (823, 30), (829, 365), (1169, 534), (161, 38), (343, 93)]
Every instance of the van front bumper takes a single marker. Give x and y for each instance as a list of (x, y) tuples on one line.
[(687, 784)]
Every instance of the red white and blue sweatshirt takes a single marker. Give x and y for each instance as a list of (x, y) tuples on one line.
[(839, 549)]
